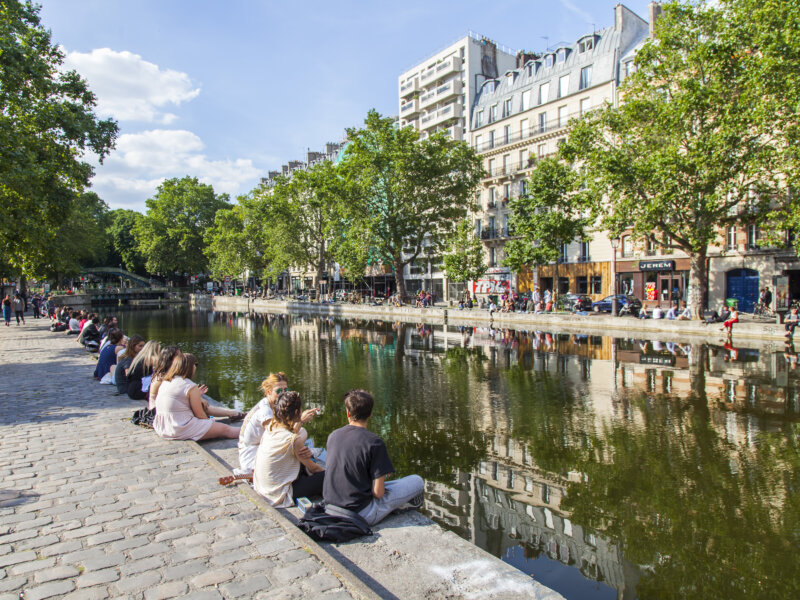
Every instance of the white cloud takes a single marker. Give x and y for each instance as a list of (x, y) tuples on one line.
[(143, 160), (130, 88)]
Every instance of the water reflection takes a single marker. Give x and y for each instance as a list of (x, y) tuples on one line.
[(606, 468)]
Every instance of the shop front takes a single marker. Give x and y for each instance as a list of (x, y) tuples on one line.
[(655, 282), (496, 281)]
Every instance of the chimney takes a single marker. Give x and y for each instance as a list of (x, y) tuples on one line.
[(654, 10), (618, 17), (523, 57)]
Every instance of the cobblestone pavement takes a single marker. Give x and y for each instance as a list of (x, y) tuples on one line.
[(92, 506)]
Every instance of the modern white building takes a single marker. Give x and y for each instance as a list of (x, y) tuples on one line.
[(438, 92)]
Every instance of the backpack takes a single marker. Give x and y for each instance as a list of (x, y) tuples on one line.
[(144, 417), (333, 524), (58, 327)]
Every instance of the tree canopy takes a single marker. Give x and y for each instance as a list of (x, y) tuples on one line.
[(406, 191), (171, 234), (463, 257), (47, 126)]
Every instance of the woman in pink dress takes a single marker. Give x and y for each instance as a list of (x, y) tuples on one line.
[(180, 409)]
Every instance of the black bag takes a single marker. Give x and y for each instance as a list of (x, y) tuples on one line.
[(144, 417), (333, 524), (58, 327)]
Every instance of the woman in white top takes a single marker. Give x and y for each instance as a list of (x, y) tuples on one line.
[(280, 474), (255, 421), (180, 409)]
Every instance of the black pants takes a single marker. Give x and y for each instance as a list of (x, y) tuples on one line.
[(19, 315), (308, 485)]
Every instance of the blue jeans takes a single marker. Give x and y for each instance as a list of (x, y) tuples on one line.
[(396, 494)]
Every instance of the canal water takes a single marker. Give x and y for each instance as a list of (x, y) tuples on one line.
[(604, 468)]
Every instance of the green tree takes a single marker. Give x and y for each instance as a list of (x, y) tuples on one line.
[(680, 159), (463, 257), (406, 191), (124, 249), (171, 234), (80, 240), (47, 124), (555, 211)]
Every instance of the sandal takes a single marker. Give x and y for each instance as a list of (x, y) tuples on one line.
[(237, 417)]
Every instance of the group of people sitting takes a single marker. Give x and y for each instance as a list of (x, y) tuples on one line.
[(674, 313), (273, 443)]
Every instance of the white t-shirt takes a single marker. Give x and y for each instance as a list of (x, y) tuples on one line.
[(250, 435)]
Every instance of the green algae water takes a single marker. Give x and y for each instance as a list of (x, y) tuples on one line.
[(604, 468)]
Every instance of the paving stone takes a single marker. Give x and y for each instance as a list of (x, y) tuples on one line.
[(60, 548), (12, 583), (103, 562), (221, 560), (203, 595), (93, 578), (148, 550), (271, 547), (214, 577), (185, 570), (55, 573), (104, 538), (247, 587), (257, 565), (293, 555), (296, 570), (37, 542), (322, 582), (230, 544), (31, 566), (172, 534), (139, 566), (127, 544), (93, 593), (166, 590), (138, 582), (48, 590)]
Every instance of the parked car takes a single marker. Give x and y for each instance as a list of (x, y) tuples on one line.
[(604, 305), (574, 302)]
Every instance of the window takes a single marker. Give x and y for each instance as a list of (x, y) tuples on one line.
[(478, 140), (506, 191), (627, 246), (506, 134), (479, 118), (563, 86), (526, 100), (542, 122), (586, 45), (523, 128), (649, 247), (490, 166), (523, 157), (505, 226), (584, 252), (478, 225), (505, 163), (584, 106), (730, 238), (562, 116), (544, 93), (752, 237), (586, 77), (562, 254), (507, 106), (596, 284), (583, 285), (491, 225), (523, 187), (491, 139), (491, 197), (541, 150), (493, 113), (561, 55), (628, 68), (492, 259), (549, 60)]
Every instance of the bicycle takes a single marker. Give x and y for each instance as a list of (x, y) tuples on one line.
[(762, 310)]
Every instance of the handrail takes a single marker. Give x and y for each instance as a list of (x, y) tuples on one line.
[(533, 131)]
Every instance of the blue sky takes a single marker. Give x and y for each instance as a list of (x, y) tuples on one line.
[(227, 90)]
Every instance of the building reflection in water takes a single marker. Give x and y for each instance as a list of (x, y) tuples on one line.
[(658, 469)]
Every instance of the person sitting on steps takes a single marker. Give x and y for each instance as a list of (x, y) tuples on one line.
[(358, 463)]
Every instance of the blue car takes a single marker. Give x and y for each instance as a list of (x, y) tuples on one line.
[(604, 305)]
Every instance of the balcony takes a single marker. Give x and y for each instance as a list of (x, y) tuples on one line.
[(442, 69), (444, 114), (427, 99), (427, 120), (451, 88), (584, 258), (409, 87), (532, 132), (455, 132), (409, 108)]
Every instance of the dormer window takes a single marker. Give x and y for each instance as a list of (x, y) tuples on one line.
[(561, 55), (585, 45), (490, 86), (529, 69), (549, 60)]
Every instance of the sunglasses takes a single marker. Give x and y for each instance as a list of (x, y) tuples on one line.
[(279, 391)]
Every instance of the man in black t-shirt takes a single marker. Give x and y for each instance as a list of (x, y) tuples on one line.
[(357, 465)]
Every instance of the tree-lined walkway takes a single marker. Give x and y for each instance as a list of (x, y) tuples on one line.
[(94, 507)]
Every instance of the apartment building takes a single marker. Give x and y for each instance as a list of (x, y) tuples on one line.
[(520, 117)]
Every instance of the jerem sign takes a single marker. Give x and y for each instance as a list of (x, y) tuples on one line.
[(656, 265)]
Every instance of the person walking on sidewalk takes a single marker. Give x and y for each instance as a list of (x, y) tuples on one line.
[(7, 310), (19, 308), (358, 463)]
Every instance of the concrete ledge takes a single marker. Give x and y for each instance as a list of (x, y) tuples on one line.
[(597, 324)]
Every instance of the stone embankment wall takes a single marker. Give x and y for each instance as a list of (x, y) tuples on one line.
[(762, 332)]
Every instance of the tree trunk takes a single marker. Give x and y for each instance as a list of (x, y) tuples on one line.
[(320, 270), (698, 283), (400, 278)]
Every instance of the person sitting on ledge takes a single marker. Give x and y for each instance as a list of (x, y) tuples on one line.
[(106, 363), (283, 469), (257, 419), (643, 312), (358, 463), (181, 410), (657, 312), (672, 313), (685, 314)]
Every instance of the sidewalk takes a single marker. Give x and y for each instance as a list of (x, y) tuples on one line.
[(92, 506)]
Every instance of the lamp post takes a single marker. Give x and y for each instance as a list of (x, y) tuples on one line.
[(613, 283)]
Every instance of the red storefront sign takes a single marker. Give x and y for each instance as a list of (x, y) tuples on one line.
[(491, 286)]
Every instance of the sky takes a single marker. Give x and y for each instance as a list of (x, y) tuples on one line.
[(227, 90)]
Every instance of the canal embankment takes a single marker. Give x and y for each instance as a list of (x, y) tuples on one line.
[(764, 334), (93, 507)]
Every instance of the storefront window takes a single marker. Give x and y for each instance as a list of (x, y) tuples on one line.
[(563, 285), (583, 285), (626, 283), (596, 286)]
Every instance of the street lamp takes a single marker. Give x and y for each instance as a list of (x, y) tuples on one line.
[(613, 282)]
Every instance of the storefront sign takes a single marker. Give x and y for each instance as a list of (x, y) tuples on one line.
[(491, 286), (661, 361), (656, 265), (498, 270)]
